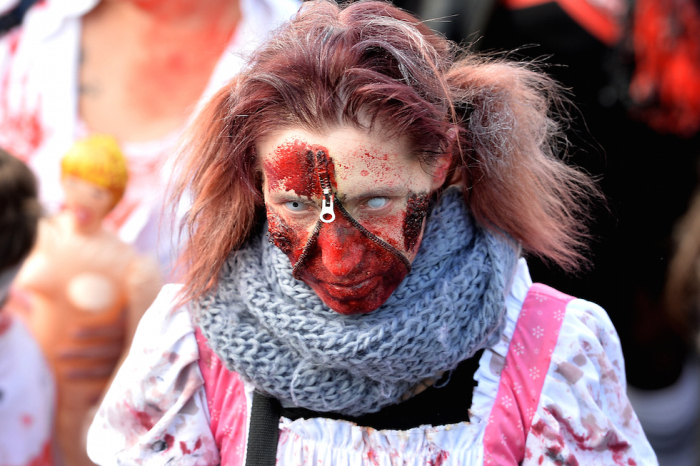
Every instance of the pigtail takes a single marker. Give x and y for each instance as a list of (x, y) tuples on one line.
[(508, 149), (217, 174)]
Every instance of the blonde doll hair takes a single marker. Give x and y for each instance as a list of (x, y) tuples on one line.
[(98, 159)]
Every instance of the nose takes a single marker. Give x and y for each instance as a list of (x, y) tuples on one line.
[(341, 247)]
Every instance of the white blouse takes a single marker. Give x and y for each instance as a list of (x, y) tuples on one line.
[(27, 397), (157, 410)]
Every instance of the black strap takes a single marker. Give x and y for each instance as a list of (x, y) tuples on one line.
[(263, 434), (446, 402)]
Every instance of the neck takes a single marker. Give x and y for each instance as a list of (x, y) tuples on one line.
[(196, 13), (82, 228)]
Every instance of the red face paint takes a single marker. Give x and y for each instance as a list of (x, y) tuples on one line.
[(282, 236), (293, 169), (355, 262), (416, 210), (349, 271)]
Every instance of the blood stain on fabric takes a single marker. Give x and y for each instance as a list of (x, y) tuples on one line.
[(580, 359), (22, 131), (570, 372), (440, 458), (144, 419)]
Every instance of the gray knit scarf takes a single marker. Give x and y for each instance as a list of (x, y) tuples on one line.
[(277, 334)]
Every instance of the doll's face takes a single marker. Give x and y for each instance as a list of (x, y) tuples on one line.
[(379, 195), (87, 202)]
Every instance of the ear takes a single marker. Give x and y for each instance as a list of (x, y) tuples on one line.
[(441, 169), (443, 163)]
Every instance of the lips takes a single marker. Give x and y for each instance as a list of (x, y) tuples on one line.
[(82, 215), (354, 290)]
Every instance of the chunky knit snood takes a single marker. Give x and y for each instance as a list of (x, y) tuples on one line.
[(277, 334)]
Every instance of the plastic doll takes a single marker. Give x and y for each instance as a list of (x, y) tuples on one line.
[(87, 288), (26, 385), (353, 288)]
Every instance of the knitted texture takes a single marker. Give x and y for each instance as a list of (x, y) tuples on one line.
[(277, 334)]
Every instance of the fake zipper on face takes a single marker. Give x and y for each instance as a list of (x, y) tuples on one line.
[(327, 211)]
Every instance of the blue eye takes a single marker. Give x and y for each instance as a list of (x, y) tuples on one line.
[(295, 206), (377, 202)]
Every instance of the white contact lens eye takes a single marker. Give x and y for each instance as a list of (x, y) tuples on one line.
[(377, 202), (295, 206)]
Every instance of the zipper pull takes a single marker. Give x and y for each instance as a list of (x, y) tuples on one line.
[(327, 211)]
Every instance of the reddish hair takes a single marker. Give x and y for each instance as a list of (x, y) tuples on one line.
[(371, 65)]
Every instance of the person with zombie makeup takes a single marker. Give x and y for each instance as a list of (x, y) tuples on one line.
[(27, 398), (85, 290), (353, 288)]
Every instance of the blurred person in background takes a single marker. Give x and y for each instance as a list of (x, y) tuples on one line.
[(27, 391), (634, 73), (132, 69), (683, 284), (85, 290)]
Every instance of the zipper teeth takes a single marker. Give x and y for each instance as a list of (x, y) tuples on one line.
[(323, 177), (327, 212)]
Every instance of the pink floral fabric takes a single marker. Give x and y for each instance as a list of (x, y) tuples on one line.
[(226, 400), (522, 376)]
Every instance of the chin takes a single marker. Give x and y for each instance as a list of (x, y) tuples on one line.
[(351, 306)]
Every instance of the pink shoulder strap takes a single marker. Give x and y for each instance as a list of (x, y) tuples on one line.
[(523, 374), (227, 404)]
